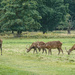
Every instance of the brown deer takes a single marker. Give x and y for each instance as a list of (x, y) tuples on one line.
[(39, 45), (42, 45), (1, 45), (71, 49), (53, 45)]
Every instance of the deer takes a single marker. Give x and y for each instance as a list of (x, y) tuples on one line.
[(40, 45), (53, 45), (1, 45), (71, 49)]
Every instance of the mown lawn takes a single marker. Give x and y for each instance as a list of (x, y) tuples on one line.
[(15, 60)]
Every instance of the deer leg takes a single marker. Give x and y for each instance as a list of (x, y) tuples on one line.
[(59, 51), (35, 50), (42, 51), (62, 51), (49, 51), (45, 51), (39, 49), (1, 51)]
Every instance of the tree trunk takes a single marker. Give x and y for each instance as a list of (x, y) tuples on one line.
[(12, 32), (69, 30), (19, 33), (44, 31)]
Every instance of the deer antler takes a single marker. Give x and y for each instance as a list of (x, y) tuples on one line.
[(26, 46), (66, 49)]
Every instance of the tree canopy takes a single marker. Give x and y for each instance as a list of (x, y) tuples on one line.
[(69, 22), (28, 15), (52, 12), (19, 15)]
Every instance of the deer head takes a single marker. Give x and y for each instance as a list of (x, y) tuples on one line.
[(27, 50)]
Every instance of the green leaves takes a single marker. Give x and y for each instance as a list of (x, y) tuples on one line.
[(31, 15), (20, 15), (52, 12)]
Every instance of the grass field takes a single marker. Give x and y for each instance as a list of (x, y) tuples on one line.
[(15, 60)]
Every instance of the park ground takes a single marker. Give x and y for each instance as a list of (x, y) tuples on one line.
[(16, 61)]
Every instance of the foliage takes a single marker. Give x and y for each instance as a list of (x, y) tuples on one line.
[(19, 15), (71, 7), (34, 15), (71, 11), (66, 24), (52, 12)]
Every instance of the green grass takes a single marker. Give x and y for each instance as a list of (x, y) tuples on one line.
[(15, 60)]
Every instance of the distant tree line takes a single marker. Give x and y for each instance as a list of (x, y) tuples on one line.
[(34, 15)]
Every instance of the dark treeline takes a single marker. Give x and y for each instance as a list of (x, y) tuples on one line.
[(34, 15)]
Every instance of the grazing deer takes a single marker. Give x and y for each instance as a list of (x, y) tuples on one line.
[(53, 45), (71, 49), (1, 45), (42, 45), (39, 45)]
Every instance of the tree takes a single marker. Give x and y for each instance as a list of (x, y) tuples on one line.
[(71, 10), (20, 15), (67, 24), (52, 12), (70, 17), (71, 7)]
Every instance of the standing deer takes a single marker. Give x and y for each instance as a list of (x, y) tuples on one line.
[(53, 45), (39, 45), (71, 49), (1, 45)]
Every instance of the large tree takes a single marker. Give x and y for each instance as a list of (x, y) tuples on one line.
[(71, 7), (69, 22), (52, 12), (19, 15)]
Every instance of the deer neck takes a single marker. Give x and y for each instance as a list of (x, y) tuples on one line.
[(30, 48)]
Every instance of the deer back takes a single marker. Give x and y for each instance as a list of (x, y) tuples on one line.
[(41, 44), (53, 44)]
